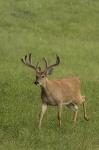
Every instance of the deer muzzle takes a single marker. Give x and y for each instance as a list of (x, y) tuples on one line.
[(36, 82)]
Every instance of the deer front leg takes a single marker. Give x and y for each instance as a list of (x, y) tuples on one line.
[(43, 110), (59, 114)]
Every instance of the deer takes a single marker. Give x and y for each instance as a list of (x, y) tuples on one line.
[(59, 93)]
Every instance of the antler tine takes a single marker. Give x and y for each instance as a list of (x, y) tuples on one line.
[(22, 60), (29, 62), (37, 64), (25, 57), (45, 60), (30, 59), (57, 60)]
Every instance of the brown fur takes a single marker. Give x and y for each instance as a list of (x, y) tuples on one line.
[(57, 92), (61, 92)]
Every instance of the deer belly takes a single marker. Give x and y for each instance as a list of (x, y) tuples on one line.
[(50, 101), (67, 103)]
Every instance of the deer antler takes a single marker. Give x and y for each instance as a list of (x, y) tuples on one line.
[(27, 60), (51, 66), (46, 62)]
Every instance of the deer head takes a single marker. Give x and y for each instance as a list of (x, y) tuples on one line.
[(41, 75)]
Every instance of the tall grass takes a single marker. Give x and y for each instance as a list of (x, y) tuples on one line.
[(70, 29)]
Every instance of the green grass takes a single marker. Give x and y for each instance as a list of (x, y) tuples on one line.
[(69, 28)]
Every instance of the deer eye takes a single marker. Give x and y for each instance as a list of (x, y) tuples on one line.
[(43, 76)]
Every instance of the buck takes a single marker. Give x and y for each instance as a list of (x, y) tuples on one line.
[(64, 92)]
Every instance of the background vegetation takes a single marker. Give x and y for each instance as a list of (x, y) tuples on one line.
[(69, 28)]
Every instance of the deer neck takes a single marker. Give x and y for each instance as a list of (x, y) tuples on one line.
[(44, 84)]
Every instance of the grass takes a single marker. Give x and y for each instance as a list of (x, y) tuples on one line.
[(68, 28)]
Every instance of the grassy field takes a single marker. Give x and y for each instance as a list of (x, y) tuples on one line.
[(69, 28)]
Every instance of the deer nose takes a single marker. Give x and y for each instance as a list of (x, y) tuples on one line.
[(36, 82)]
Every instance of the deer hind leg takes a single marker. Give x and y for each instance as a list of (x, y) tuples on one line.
[(74, 108), (59, 114), (84, 108), (44, 108), (85, 114)]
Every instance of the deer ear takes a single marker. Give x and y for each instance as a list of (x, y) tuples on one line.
[(49, 71)]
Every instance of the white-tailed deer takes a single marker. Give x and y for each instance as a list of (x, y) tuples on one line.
[(57, 92)]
